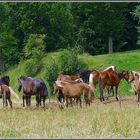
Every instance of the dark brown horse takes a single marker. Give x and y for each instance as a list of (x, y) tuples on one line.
[(32, 87), (6, 94)]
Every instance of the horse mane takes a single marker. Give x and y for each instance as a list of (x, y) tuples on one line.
[(5, 80), (113, 67)]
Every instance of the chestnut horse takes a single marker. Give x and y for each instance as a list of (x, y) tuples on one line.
[(74, 90), (134, 78), (102, 78), (6, 94)]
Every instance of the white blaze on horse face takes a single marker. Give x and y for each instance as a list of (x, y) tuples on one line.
[(113, 68)]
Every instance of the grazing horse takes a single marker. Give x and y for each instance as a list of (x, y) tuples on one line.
[(84, 74), (134, 78), (102, 78), (74, 90), (6, 94), (115, 82), (32, 87)]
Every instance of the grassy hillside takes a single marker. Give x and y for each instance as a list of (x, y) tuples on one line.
[(99, 120), (123, 61)]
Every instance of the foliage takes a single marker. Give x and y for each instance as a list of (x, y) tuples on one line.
[(35, 46), (32, 68), (136, 13), (70, 63), (34, 49), (52, 71), (63, 25)]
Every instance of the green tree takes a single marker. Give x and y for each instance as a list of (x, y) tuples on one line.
[(137, 15)]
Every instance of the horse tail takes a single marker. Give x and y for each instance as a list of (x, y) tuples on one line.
[(13, 93), (92, 92)]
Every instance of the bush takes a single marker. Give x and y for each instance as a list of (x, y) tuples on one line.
[(69, 61), (52, 71), (34, 52), (32, 68)]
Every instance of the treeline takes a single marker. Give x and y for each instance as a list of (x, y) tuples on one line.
[(31, 29)]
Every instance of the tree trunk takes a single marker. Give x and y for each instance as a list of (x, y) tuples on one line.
[(110, 45)]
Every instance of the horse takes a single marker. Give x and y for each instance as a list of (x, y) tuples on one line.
[(66, 78), (102, 78), (6, 81), (74, 90), (6, 95), (84, 74), (115, 82), (134, 78), (32, 87)]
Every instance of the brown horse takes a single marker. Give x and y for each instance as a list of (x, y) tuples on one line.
[(32, 87), (115, 82), (6, 94), (102, 77), (66, 78), (74, 90), (134, 78)]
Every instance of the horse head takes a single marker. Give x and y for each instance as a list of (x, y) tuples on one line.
[(131, 77), (126, 75), (20, 81)]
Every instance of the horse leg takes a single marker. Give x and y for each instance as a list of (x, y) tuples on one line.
[(40, 100), (80, 102), (23, 98), (44, 99), (26, 97), (29, 100), (66, 102), (100, 89), (71, 101), (37, 101), (117, 93), (4, 99)]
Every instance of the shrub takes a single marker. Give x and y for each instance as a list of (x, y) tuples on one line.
[(32, 68), (69, 61)]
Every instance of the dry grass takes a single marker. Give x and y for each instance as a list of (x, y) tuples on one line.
[(100, 120)]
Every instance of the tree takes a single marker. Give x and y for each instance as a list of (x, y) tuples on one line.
[(136, 13)]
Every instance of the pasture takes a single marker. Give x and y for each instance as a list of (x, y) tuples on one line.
[(100, 120)]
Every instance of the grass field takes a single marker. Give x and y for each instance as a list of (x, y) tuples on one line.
[(100, 120)]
